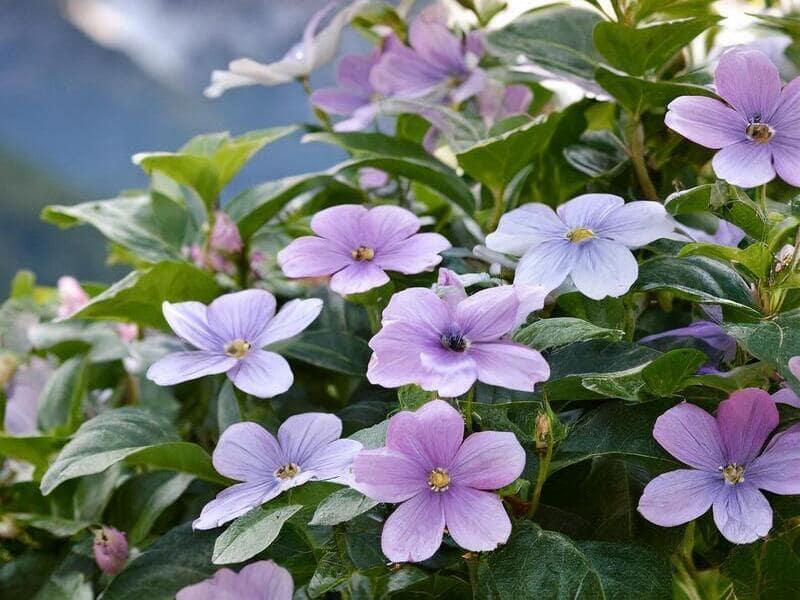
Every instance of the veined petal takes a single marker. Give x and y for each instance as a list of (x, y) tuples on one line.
[(692, 436), (353, 71), (188, 321), (396, 358), (432, 434), (418, 253), (604, 268), (338, 102), (388, 475), (311, 256), (300, 436), (777, 469), (680, 496), (262, 374), (292, 318), (706, 121), (235, 501), (489, 314), (526, 227), (413, 532), (184, 366), (745, 421), (333, 462), (419, 307), (382, 226), (358, 277), (247, 452), (341, 224), (449, 373), (434, 42), (509, 365), (475, 519), (359, 120), (241, 315), (262, 579), (748, 81), (745, 164), (488, 460), (472, 85), (786, 158), (588, 210), (636, 224), (742, 513), (546, 264)]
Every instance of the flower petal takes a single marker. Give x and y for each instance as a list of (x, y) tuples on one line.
[(488, 460), (745, 420), (509, 365), (235, 501), (489, 314), (472, 85), (358, 277), (413, 532), (706, 121), (262, 374), (262, 579), (745, 164), (794, 366), (434, 42), (241, 315), (476, 520), (588, 210), (524, 227), (749, 82), (311, 256), (449, 373), (300, 436), (742, 513), (420, 308), (692, 436), (384, 225), (396, 358), (604, 268), (433, 433), (388, 475), (247, 452), (416, 254), (786, 159), (546, 264), (777, 469), (786, 395), (680, 496), (188, 321), (333, 462), (636, 224), (341, 224), (338, 102), (292, 318), (184, 366)]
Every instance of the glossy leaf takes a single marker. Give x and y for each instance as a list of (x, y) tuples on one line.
[(252, 533)]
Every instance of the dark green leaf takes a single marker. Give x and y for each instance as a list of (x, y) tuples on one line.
[(765, 569), (252, 533), (228, 411), (332, 350), (341, 506), (60, 403), (638, 94), (669, 373), (597, 154), (560, 331)]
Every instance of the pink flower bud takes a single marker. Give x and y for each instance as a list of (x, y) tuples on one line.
[(225, 236), (71, 296), (110, 550)]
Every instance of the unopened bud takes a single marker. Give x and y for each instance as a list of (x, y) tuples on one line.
[(543, 431), (110, 550)]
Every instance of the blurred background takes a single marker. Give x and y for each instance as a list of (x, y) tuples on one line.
[(84, 84)]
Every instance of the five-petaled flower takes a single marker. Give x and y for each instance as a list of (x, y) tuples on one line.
[(230, 335), (588, 239), (757, 132), (307, 448), (262, 580), (357, 246), (440, 480), (446, 343), (728, 466)]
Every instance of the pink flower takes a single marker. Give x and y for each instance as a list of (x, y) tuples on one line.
[(262, 580), (110, 550), (71, 296)]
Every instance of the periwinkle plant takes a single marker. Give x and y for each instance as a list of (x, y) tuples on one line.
[(527, 341)]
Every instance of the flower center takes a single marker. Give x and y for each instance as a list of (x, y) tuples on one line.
[(760, 133), (237, 348), (288, 471), (455, 342), (733, 473), (439, 480), (580, 234), (363, 253)]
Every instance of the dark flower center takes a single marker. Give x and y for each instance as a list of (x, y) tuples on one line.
[(760, 133), (455, 341), (439, 480), (733, 473), (288, 471), (238, 348), (363, 253), (580, 234)]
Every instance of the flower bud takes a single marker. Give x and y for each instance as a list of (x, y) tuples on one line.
[(543, 431), (110, 550), (225, 236)]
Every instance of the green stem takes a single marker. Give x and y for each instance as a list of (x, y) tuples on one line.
[(468, 397), (497, 211), (321, 115), (636, 152), (374, 317), (544, 457), (761, 194)]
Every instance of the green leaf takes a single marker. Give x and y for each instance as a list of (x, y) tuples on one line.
[(698, 279), (127, 433), (66, 586), (102, 339), (129, 221), (138, 296), (547, 565), (333, 350), (341, 506), (411, 397), (639, 50), (560, 331), (638, 94), (55, 526), (726, 201), (60, 403), (178, 559), (34, 449), (228, 411), (597, 154), (756, 257), (400, 157), (765, 569), (207, 163), (252, 533), (670, 373)]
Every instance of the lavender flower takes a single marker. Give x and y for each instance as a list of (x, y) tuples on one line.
[(357, 246), (225, 236), (71, 296), (728, 466), (307, 448), (727, 234), (446, 343), (587, 239), (262, 580), (756, 132), (709, 333), (110, 550), (229, 335), (24, 392), (440, 481), (497, 102), (370, 178)]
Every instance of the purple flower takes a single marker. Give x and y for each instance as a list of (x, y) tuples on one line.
[(110, 550), (446, 343), (225, 236), (757, 131), (497, 102), (727, 234), (24, 392), (357, 245), (728, 466), (307, 448), (71, 296), (587, 239), (262, 580), (785, 395), (229, 335), (711, 334), (370, 178), (436, 61), (440, 480)]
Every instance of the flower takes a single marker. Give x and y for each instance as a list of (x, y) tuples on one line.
[(230, 334), (446, 343), (71, 296), (357, 245), (497, 102), (440, 480), (727, 234), (437, 62), (728, 466), (713, 337), (24, 392), (370, 178), (317, 48), (110, 550), (225, 235), (757, 132), (587, 239), (262, 580), (307, 448)]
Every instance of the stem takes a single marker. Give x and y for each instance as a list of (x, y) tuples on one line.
[(321, 115), (761, 194), (636, 152), (468, 397), (374, 317), (497, 211), (545, 454)]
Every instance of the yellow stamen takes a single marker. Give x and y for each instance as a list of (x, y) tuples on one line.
[(439, 480), (580, 234), (363, 253), (760, 133), (733, 473), (288, 471), (237, 348)]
